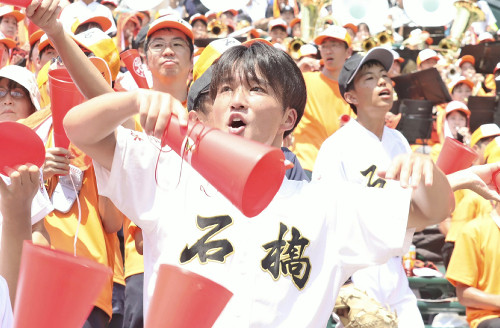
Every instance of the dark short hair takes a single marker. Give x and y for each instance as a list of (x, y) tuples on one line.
[(350, 86), (44, 50), (189, 40), (276, 67)]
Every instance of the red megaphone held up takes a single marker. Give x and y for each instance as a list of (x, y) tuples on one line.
[(20, 145), (455, 156), (133, 62), (249, 180), (64, 95)]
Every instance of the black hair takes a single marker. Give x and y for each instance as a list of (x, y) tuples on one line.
[(275, 66), (87, 26), (350, 86), (200, 104), (189, 41), (200, 20), (44, 50), (485, 141)]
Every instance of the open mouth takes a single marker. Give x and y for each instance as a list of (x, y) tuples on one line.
[(385, 92), (237, 123)]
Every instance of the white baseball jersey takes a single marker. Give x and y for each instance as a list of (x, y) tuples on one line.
[(6, 317), (284, 266), (354, 153)]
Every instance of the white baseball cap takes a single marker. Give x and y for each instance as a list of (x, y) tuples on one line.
[(25, 78)]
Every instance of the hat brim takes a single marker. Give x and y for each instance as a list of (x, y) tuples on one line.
[(281, 25), (103, 22), (171, 24), (17, 14), (467, 82), (382, 55), (36, 36), (319, 39), (44, 44), (9, 43), (463, 110)]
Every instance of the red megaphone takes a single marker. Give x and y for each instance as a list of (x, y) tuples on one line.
[(56, 289), (252, 177)]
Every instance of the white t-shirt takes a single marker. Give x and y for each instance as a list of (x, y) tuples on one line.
[(40, 207), (186, 222), (353, 153), (6, 318), (79, 9)]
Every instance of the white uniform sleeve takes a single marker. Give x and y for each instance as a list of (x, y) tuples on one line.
[(6, 317), (135, 177)]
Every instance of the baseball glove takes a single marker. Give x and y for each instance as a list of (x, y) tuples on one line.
[(357, 310)]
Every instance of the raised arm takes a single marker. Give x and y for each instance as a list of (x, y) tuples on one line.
[(87, 77), (478, 178), (91, 125), (15, 206)]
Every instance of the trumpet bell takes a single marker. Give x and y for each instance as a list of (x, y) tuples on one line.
[(369, 43), (430, 12)]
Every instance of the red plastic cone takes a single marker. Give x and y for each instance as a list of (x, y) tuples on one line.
[(32, 27), (17, 3), (132, 61), (455, 156), (249, 180), (56, 289), (64, 95), (20, 145), (179, 294)]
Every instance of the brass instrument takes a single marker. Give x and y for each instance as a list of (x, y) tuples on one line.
[(385, 38), (323, 22), (310, 10), (369, 43), (293, 46), (217, 28), (467, 12)]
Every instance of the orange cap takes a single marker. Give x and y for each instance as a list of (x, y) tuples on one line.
[(35, 37), (334, 32), (294, 21), (352, 27), (171, 21), (459, 80), (196, 17), (9, 10), (457, 106), (466, 59)]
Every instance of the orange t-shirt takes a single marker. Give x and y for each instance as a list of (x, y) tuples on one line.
[(93, 243), (475, 262), (134, 262), (469, 207), (118, 275), (321, 116)]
